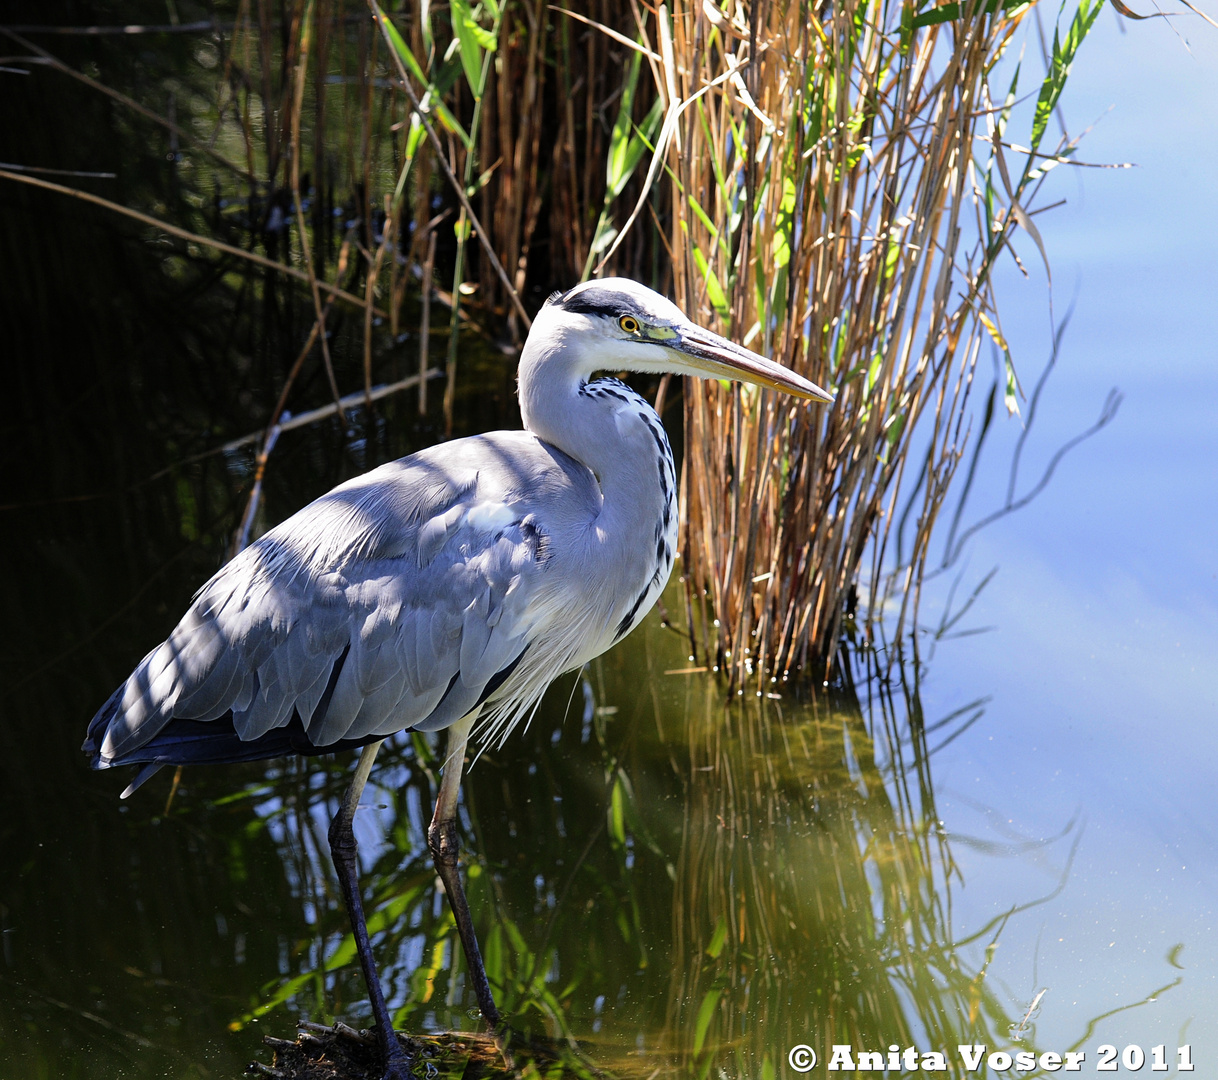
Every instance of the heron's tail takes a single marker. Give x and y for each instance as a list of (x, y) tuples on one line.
[(204, 742), (97, 730)]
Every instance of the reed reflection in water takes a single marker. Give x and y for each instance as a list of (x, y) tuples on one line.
[(816, 883), (669, 880)]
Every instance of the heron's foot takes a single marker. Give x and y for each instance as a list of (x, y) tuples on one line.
[(341, 1050), (397, 1061)]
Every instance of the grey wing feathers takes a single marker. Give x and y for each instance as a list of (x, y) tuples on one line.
[(394, 601)]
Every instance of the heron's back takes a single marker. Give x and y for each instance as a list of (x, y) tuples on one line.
[(403, 598)]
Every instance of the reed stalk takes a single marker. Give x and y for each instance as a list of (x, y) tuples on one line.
[(832, 190), (839, 195)]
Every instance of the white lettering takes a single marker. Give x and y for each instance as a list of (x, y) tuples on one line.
[(871, 1061), (1050, 1061), (1074, 1060), (802, 1058), (933, 1061), (971, 1055), (1025, 1061), (999, 1061), (841, 1059)]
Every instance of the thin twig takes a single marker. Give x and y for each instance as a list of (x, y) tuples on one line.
[(44, 57), (184, 234)]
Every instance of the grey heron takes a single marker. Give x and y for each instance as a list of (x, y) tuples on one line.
[(443, 589)]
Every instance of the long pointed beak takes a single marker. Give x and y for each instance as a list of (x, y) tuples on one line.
[(715, 357)]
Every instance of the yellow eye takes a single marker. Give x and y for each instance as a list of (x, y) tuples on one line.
[(629, 323)]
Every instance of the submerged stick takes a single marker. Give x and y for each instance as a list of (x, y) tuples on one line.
[(348, 401)]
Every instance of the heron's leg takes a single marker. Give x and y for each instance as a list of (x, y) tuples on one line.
[(445, 847), (343, 851)]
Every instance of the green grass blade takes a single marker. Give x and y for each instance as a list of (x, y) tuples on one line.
[(714, 291), (706, 1013), (1059, 66), (432, 95), (470, 39)]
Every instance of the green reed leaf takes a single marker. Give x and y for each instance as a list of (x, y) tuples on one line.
[(1059, 67)]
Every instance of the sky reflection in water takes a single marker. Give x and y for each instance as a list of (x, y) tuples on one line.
[(1102, 661)]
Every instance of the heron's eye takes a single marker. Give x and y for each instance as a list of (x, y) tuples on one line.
[(629, 323)]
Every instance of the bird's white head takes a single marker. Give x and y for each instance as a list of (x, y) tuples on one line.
[(615, 324)]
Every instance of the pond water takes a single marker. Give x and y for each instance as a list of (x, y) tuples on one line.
[(1100, 666), (1009, 842)]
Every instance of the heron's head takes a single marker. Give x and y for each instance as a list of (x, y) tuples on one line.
[(617, 324)]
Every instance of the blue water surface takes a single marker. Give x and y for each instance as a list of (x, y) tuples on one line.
[(1094, 766)]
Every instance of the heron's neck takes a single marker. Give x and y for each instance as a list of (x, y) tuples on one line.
[(613, 432)]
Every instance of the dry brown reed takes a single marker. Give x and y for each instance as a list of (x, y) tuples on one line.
[(828, 185), (835, 204)]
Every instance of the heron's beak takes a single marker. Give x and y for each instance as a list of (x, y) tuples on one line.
[(714, 357)]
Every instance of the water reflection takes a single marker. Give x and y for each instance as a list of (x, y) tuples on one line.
[(667, 880), (817, 883)]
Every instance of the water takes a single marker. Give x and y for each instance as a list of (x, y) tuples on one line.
[(679, 886), (1101, 664)]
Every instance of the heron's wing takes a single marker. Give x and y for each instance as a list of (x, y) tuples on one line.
[(400, 599)]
